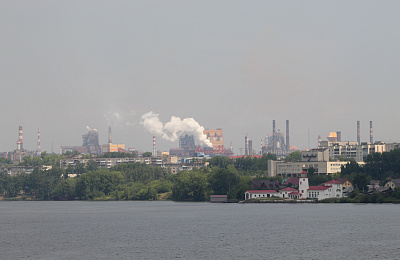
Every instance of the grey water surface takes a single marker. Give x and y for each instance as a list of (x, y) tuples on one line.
[(173, 230)]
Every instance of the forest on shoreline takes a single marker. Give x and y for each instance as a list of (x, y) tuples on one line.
[(138, 181)]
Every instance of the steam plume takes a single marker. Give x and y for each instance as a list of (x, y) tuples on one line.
[(173, 129)]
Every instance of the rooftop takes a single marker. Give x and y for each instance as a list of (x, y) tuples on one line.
[(262, 191)]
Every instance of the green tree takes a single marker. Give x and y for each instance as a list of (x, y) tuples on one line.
[(5, 161), (147, 154), (91, 165), (98, 183), (223, 180), (191, 185), (293, 157), (237, 192), (360, 181), (220, 161)]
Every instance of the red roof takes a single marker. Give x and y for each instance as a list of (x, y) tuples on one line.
[(288, 189), (333, 182), (244, 156), (293, 180), (262, 191), (319, 187), (294, 193)]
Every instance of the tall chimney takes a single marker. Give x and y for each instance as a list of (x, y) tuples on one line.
[(358, 133), (21, 139), (273, 136), (39, 150), (371, 137), (154, 146), (319, 141), (261, 151), (339, 136), (109, 135), (246, 145), (287, 137)]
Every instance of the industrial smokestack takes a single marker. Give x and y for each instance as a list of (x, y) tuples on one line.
[(109, 135), (246, 145), (21, 139), (287, 136), (273, 136), (39, 150), (319, 141), (358, 133), (338, 136), (261, 151), (371, 138), (154, 146)]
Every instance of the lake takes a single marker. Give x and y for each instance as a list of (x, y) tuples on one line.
[(185, 230)]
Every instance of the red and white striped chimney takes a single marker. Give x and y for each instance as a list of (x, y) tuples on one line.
[(21, 139)]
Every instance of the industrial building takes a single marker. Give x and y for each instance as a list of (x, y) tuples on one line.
[(90, 144), (215, 136), (355, 150), (277, 143), (318, 159), (110, 147), (188, 147), (171, 164), (17, 155)]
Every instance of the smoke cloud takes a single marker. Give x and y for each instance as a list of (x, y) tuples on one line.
[(172, 130)]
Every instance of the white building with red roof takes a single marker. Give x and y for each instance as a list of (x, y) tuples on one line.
[(319, 192), (284, 193), (260, 194), (330, 189), (337, 188)]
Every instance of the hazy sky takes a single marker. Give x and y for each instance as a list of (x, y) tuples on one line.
[(235, 65)]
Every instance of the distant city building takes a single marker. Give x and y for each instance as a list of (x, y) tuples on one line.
[(169, 163), (105, 148), (353, 150), (318, 159)]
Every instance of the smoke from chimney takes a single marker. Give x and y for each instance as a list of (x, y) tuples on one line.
[(172, 130)]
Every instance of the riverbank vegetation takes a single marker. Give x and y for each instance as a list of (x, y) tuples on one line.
[(137, 181)]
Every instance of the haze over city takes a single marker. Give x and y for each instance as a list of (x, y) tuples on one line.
[(234, 65)]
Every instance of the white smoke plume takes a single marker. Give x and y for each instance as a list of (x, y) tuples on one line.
[(113, 118), (91, 129), (172, 130)]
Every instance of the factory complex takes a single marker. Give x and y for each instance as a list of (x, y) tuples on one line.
[(327, 158)]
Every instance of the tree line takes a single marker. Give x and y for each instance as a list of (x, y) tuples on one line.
[(138, 181), (132, 181)]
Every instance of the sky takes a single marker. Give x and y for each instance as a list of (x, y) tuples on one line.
[(235, 65)]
